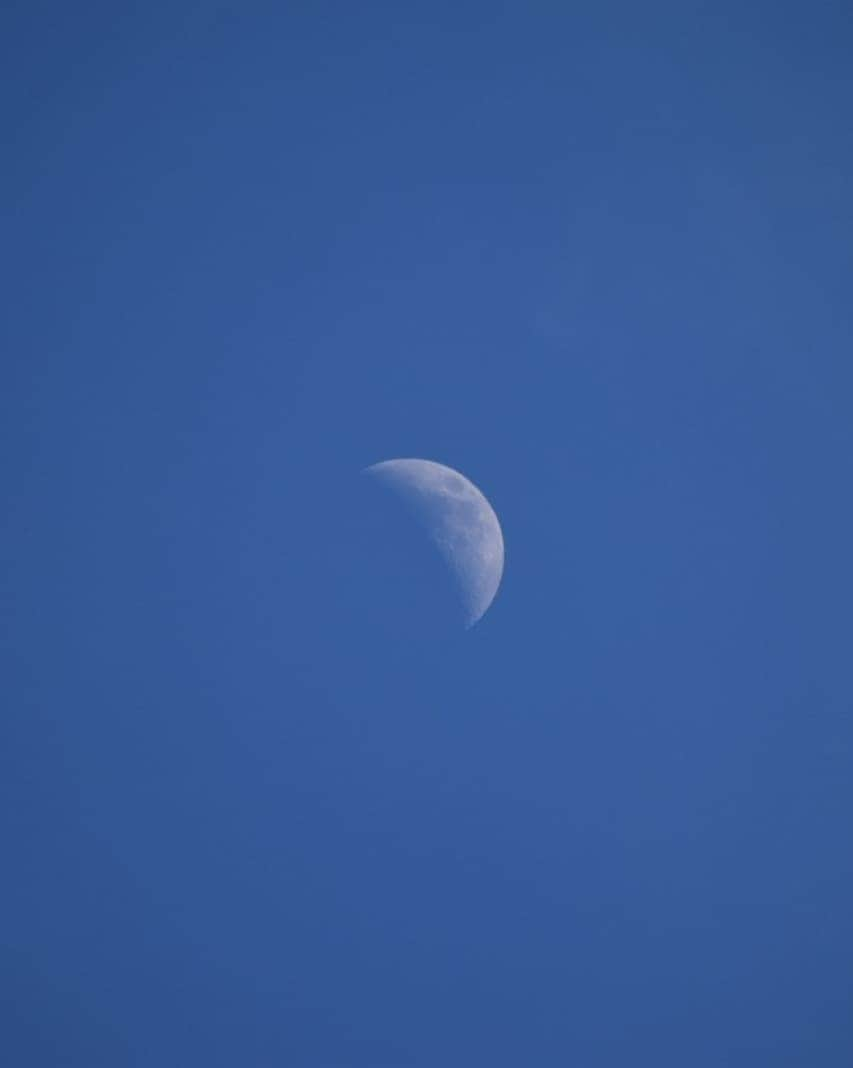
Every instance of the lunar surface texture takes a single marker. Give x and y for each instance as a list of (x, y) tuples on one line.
[(458, 519)]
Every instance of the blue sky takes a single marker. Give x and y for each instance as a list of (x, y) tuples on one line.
[(263, 804)]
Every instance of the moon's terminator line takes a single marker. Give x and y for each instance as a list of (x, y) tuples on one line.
[(460, 521)]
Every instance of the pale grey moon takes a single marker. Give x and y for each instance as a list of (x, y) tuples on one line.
[(459, 520)]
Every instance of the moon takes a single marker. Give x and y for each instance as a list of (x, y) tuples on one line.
[(460, 522)]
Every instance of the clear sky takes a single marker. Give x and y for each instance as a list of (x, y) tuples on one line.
[(263, 804)]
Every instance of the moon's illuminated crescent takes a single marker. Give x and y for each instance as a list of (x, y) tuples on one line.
[(459, 520)]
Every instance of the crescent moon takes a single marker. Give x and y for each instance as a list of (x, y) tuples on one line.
[(460, 522)]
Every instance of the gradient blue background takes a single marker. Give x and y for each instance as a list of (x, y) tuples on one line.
[(260, 804)]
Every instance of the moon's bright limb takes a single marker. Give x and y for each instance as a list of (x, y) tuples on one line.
[(460, 521)]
